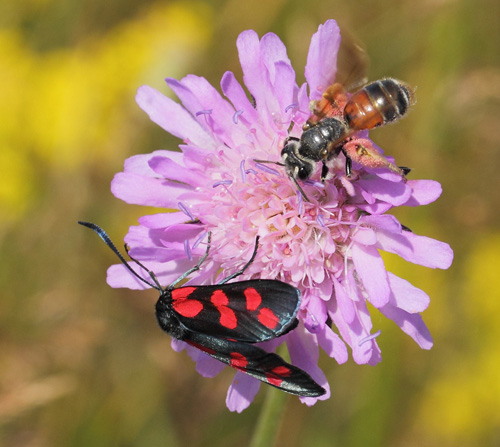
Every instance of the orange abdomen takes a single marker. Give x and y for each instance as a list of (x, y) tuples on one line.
[(361, 112)]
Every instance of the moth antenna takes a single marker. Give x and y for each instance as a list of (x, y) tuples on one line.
[(103, 235), (141, 265)]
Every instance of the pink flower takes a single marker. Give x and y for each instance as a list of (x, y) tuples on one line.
[(328, 248)]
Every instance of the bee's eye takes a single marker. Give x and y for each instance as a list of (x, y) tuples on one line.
[(304, 172)]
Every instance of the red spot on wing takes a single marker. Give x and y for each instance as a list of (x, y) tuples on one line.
[(238, 361), (184, 306), (275, 376), (219, 298), (181, 293), (227, 316), (253, 298), (268, 318)]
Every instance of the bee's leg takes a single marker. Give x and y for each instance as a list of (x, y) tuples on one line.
[(348, 164), (324, 171)]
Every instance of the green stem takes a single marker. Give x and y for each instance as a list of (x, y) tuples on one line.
[(269, 419)]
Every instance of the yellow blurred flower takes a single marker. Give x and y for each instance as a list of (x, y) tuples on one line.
[(63, 107)]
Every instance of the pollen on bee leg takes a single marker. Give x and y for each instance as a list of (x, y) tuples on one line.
[(362, 151)]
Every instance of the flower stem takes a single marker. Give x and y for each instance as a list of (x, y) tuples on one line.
[(269, 419)]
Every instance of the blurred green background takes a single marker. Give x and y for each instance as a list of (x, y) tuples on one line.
[(84, 365)]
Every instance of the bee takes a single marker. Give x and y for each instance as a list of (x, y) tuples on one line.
[(336, 117)]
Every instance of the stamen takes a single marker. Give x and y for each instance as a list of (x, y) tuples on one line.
[(320, 220), (204, 112), (242, 171), (222, 182), (201, 237), (370, 337), (187, 249), (183, 208), (236, 115), (315, 183), (251, 171), (313, 327), (266, 168), (291, 106), (300, 201)]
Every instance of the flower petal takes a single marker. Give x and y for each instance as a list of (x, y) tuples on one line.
[(406, 296), (423, 192), (372, 273), (198, 96), (411, 324), (256, 75), (172, 117), (321, 67), (236, 94), (207, 366), (171, 170), (242, 392), (140, 190), (417, 249), (304, 353), (162, 220), (332, 344), (118, 276)]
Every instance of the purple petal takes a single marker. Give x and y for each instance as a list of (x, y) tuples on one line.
[(423, 192), (395, 193), (304, 353), (375, 208), (146, 244), (207, 366), (167, 168), (162, 220), (285, 88), (256, 76), (406, 296), (316, 315), (196, 94), (332, 344), (118, 276), (372, 273), (242, 392), (417, 249), (172, 117), (236, 94), (364, 236), (281, 72), (344, 303), (321, 67), (140, 190), (386, 222), (411, 324), (139, 164), (357, 330)]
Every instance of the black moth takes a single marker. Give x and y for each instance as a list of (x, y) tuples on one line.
[(224, 320)]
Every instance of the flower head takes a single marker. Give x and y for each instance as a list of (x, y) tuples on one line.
[(327, 247)]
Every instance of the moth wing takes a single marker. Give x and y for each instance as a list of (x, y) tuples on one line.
[(267, 367), (247, 311)]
